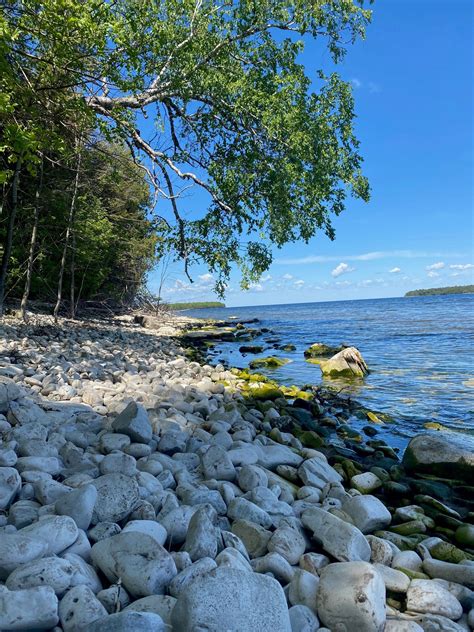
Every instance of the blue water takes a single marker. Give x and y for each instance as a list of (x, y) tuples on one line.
[(420, 351)]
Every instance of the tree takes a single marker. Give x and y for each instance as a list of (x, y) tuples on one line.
[(233, 111)]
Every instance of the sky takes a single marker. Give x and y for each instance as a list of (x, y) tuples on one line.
[(412, 79)]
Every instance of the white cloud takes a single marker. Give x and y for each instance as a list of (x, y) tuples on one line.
[(206, 278), (432, 274), (395, 270), (462, 266), (299, 283), (366, 256), (267, 277), (288, 277), (342, 283), (342, 268), (357, 83), (436, 266), (256, 287)]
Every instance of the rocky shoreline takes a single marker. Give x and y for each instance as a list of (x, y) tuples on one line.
[(141, 489)]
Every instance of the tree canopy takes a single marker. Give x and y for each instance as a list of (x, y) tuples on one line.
[(205, 95)]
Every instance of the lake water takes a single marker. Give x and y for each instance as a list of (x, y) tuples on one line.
[(420, 351)]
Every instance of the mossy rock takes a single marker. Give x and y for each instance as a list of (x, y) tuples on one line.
[(262, 392), (288, 348), (320, 350), (465, 535), (449, 553), (412, 574), (409, 528), (311, 439), (271, 362)]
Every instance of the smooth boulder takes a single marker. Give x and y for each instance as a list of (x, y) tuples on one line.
[(448, 457), (234, 601)]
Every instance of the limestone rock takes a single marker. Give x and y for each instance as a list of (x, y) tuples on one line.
[(232, 600), (10, 485), (351, 596), (429, 597), (449, 457), (31, 609), (78, 504), (48, 571), (58, 532), (347, 363), (79, 608), (18, 548), (117, 496), (339, 538), (133, 421), (367, 512), (144, 566)]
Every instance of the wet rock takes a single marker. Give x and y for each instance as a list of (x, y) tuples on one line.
[(340, 539), (351, 596), (232, 600), (366, 483), (347, 363)]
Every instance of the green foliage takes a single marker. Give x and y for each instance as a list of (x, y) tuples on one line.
[(235, 113), (195, 305), (455, 289), (114, 245)]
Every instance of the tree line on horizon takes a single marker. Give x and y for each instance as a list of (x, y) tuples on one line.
[(113, 113)]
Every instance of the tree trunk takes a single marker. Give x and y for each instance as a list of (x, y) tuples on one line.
[(31, 256), (73, 275), (70, 226), (7, 247)]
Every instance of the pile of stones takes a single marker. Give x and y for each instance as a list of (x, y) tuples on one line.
[(137, 492)]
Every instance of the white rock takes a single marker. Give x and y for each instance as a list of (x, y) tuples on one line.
[(402, 625), (48, 571), (17, 549), (366, 482), (394, 580), (31, 609), (79, 608), (303, 589), (203, 537), (128, 621), (84, 574), (10, 485), (117, 496), (459, 573), (215, 463), (273, 455), (289, 543), (367, 513), (202, 567), (158, 604), (49, 464), (407, 559), (381, 550), (251, 476), (176, 523), (150, 527), (339, 538), (429, 597), (351, 596), (233, 558), (58, 532), (313, 563), (118, 462), (275, 564), (242, 509), (234, 601), (144, 566), (318, 473), (133, 421), (78, 504), (303, 619)]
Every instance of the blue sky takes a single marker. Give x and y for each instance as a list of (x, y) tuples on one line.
[(412, 79)]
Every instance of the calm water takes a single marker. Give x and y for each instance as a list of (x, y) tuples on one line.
[(420, 351)]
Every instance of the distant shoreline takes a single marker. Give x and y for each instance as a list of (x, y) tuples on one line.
[(178, 307), (434, 291)]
